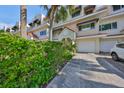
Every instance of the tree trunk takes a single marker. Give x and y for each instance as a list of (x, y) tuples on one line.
[(50, 29), (23, 21), (52, 18)]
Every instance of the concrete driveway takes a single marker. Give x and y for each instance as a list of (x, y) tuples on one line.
[(88, 71)]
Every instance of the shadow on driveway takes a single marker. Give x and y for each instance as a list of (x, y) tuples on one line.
[(83, 73), (117, 67)]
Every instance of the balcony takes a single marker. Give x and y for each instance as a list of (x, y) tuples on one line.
[(77, 18), (87, 32), (89, 9), (37, 26), (87, 27)]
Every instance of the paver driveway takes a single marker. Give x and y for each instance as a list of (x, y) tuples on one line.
[(88, 71)]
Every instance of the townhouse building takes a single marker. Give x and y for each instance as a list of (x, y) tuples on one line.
[(94, 28), (38, 28)]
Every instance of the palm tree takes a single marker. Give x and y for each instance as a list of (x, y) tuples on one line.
[(56, 13), (23, 21)]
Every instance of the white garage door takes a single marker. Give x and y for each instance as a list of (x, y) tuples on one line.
[(106, 45), (86, 46)]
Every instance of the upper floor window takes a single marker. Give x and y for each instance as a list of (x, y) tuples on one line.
[(76, 12), (117, 7), (43, 33), (88, 26), (108, 26)]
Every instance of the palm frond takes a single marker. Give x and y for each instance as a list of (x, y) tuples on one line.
[(71, 8), (63, 13), (45, 7)]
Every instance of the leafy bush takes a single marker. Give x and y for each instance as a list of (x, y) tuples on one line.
[(26, 63), (1, 30)]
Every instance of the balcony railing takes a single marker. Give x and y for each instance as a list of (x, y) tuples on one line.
[(37, 26)]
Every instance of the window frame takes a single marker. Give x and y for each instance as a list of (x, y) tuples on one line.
[(43, 33), (76, 13), (114, 24), (110, 26), (86, 28), (120, 7)]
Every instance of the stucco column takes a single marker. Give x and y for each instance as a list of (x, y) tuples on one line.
[(97, 45)]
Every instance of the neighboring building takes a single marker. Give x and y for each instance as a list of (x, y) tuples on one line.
[(94, 28), (14, 29), (38, 28)]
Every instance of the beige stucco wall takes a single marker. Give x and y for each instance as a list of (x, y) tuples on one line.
[(38, 30), (44, 36), (111, 12), (120, 24), (73, 25)]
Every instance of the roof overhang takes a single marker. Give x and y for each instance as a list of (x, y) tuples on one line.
[(115, 36), (113, 15), (91, 36), (101, 36), (63, 27), (93, 20), (70, 29)]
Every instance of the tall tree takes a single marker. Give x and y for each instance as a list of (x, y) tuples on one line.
[(23, 21), (56, 13)]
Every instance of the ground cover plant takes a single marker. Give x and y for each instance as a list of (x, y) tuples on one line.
[(27, 63)]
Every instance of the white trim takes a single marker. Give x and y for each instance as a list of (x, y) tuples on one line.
[(114, 36), (78, 18), (113, 15), (100, 36), (83, 37), (35, 28)]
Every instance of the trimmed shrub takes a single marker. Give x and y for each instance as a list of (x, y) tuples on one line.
[(26, 63)]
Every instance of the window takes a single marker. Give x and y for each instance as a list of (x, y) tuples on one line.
[(86, 26), (114, 25), (120, 45), (100, 28), (43, 33), (108, 26), (77, 13), (92, 25), (117, 7)]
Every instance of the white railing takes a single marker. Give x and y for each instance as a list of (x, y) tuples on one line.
[(36, 27)]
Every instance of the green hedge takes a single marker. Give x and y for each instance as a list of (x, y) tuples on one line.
[(26, 63)]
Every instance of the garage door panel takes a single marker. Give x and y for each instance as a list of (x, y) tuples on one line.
[(86, 46), (106, 45)]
